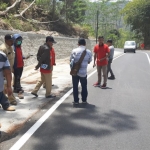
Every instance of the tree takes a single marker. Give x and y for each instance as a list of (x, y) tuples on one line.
[(137, 15)]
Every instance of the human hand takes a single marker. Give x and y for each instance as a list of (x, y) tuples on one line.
[(94, 65), (9, 91)]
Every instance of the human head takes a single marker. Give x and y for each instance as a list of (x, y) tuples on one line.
[(9, 39), (50, 41), (82, 41), (17, 39), (101, 40), (109, 42)]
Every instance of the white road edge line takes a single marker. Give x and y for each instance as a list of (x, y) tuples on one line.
[(32, 130), (147, 56)]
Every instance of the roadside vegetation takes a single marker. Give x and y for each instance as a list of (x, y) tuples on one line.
[(122, 20)]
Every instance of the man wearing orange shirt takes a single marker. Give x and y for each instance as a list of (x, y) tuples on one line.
[(101, 53), (46, 60)]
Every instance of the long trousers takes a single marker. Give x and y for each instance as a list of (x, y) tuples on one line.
[(17, 78), (100, 70), (47, 78), (84, 92)]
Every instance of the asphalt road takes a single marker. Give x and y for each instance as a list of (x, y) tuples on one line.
[(115, 118)]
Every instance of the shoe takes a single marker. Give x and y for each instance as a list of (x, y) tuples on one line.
[(34, 94), (96, 84), (51, 96), (18, 90), (10, 108), (104, 86), (20, 95), (111, 77), (14, 102), (75, 103), (85, 102)]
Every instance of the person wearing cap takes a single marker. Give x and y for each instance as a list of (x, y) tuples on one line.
[(101, 53), (46, 60), (110, 59), (18, 64), (5, 71), (6, 47), (82, 73)]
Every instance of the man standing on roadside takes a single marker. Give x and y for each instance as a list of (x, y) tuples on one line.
[(6, 47), (110, 59), (5, 71), (101, 54), (82, 73), (46, 60)]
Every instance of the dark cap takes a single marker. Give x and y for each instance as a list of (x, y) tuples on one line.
[(109, 41), (8, 37), (81, 41), (51, 39)]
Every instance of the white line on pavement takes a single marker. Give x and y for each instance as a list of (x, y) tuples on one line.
[(32, 130), (147, 57)]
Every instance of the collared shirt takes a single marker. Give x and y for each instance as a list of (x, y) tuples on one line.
[(76, 54), (8, 50), (4, 64)]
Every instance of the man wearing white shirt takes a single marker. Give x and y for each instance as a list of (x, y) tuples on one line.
[(82, 73)]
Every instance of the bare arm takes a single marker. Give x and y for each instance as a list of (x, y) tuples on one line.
[(95, 56), (8, 76)]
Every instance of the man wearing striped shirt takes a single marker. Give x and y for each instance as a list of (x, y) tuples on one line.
[(5, 70), (82, 73)]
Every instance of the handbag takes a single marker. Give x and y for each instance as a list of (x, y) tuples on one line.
[(77, 65)]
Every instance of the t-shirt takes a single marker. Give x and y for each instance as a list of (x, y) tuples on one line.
[(4, 64), (101, 51), (19, 58), (76, 54), (111, 52)]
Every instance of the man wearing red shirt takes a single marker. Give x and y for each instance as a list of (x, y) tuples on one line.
[(46, 60), (101, 53)]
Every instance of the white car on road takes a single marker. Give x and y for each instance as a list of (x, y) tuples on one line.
[(130, 46)]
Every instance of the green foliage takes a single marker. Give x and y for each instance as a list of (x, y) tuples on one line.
[(19, 24), (3, 6), (137, 15)]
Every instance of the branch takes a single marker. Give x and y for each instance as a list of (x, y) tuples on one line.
[(27, 8), (2, 13)]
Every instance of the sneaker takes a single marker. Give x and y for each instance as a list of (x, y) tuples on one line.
[(75, 103), (111, 77), (34, 94), (84, 102), (20, 95), (104, 86), (10, 108), (96, 84), (51, 96)]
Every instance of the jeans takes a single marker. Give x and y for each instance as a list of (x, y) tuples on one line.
[(17, 78), (4, 101), (84, 92), (109, 69)]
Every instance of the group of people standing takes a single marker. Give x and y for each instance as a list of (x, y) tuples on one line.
[(11, 62), (103, 57), (11, 50)]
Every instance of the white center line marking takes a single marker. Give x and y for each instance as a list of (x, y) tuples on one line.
[(147, 57), (32, 130)]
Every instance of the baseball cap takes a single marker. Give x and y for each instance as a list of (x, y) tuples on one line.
[(8, 37), (51, 39), (81, 41)]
